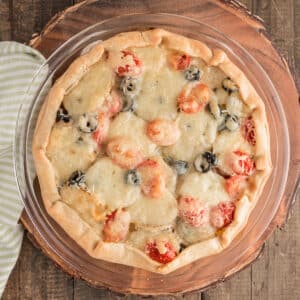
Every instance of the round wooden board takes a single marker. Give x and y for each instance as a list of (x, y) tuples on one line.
[(229, 17)]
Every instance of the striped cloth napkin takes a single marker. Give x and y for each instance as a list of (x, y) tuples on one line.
[(18, 64)]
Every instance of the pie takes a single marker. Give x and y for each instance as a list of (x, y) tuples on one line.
[(152, 150)]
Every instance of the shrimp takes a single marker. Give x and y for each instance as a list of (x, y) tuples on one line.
[(194, 100), (100, 134), (124, 152), (112, 104), (116, 226), (163, 132), (153, 178), (179, 61)]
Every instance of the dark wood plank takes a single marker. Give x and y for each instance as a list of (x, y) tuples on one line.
[(297, 37), (276, 274), (30, 16), (5, 28), (235, 288), (83, 291), (36, 277)]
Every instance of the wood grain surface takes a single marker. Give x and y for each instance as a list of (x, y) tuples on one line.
[(276, 275)]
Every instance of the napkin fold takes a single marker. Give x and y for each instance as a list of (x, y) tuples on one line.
[(18, 64)]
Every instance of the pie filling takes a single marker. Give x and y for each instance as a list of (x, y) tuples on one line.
[(154, 148)]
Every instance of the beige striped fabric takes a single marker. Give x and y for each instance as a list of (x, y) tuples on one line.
[(18, 63)]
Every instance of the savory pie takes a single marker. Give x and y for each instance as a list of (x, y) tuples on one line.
[(151, 150)]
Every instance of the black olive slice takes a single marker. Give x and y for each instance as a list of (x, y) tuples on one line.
[(192, 73), (132, 177), (77, 179), (229, 86), (128, 105), (180, 166), (210, 157), (205, 161), (88, 123), (232, 122), (130, 86), (62, 115)]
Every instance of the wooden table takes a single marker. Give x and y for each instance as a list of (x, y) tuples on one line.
[(276, 275)]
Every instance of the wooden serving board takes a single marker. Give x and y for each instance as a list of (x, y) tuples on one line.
[(229, 17)]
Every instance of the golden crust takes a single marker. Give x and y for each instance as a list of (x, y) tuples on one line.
[(70, 220)]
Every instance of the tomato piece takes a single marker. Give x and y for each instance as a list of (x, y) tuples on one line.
[(130, 65), (222, 214), (110, 217), (192, 211), (116, 226), (248, 131), (154, 253), (180, 61), (242, 163), (194, 100), (234, 185)]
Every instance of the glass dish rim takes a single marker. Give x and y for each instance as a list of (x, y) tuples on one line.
[(142, 14)]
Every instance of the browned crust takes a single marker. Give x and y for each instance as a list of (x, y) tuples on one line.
[(70, 220), (262, 147)]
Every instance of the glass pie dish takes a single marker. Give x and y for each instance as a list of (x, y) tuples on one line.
[(100, 273)]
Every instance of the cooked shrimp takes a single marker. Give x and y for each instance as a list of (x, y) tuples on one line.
[(116, 226), (194, 100), (153, 178), (100, 133), (129, 65), (163, 132), (112, 104), (179, 61), (124, 152)]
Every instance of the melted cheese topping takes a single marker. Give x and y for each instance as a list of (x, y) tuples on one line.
[(207, 187), (89, 94), (191, 235), (70, 150), (86, 205), (106, 180), (160, 86), (198, 131), (126, 124), (151, 58), (154, 212), (158, 96)]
